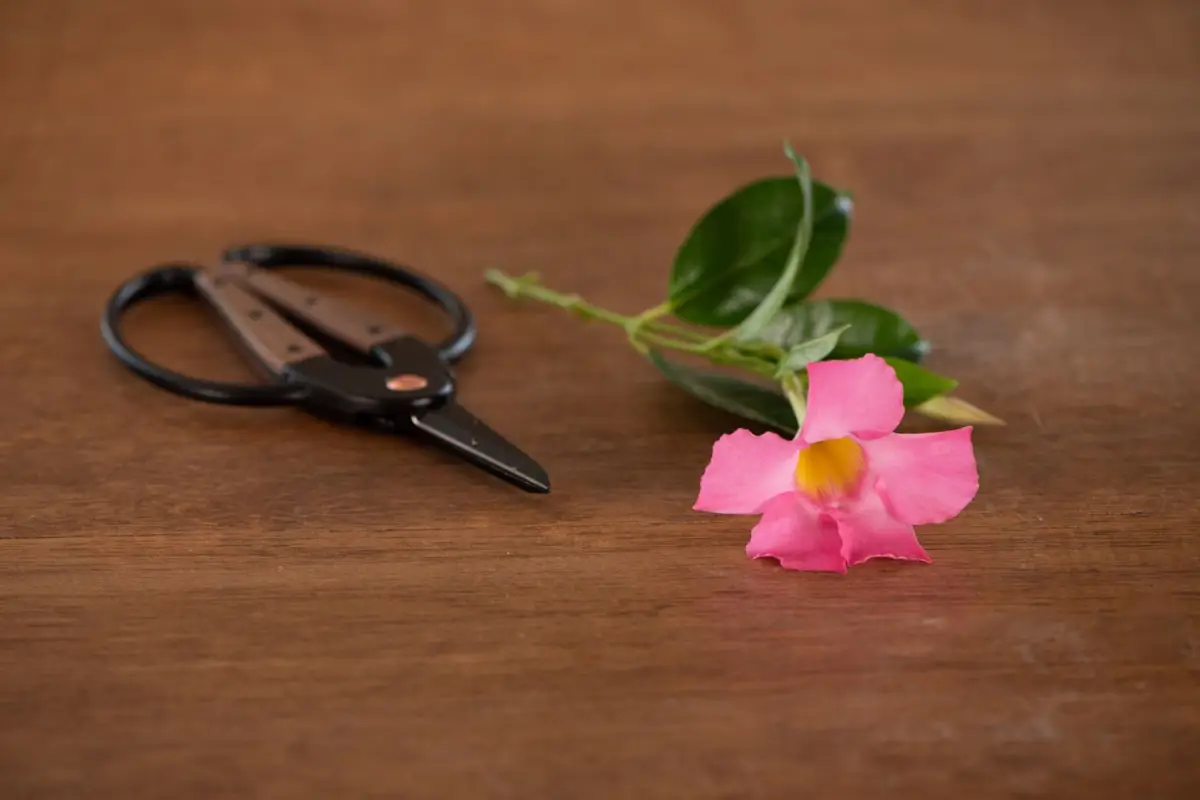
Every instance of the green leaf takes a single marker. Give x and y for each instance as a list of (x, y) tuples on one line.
[(762, 315), (956, 412), (750, 401), (734, 255), (920, 384), (873, 329), (805, 353)]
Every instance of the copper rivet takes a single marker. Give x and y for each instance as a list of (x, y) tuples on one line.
[(406, 383)]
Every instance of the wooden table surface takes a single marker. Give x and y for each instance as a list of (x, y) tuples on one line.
[(209, 602)]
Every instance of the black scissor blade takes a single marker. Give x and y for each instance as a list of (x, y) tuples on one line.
[(457, 429)]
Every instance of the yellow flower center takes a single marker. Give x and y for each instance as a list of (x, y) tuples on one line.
[(830, 469)]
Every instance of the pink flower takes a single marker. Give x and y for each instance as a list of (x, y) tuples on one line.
[(847, 488)]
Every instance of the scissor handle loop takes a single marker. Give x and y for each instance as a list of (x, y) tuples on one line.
[(180, 278)]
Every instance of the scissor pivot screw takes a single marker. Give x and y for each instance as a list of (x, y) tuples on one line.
[(407, 382)]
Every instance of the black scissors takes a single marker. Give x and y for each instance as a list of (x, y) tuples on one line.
[(410, 388)]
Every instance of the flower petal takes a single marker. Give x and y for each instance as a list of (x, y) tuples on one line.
[(924, 478), (860, 396), (868, 531), (797, 536), (746, 471)]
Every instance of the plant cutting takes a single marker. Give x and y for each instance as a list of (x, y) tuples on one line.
[(740, 329)]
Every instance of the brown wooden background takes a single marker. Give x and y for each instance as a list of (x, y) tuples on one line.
[(209, 602)]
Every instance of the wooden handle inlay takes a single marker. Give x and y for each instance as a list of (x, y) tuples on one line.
[(336, 318), (268, 336)]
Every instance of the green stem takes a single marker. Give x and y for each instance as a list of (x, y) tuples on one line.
[(643, 325), (795, 390), (645, 329), (649, 319), (527, 286), (651, 314), (676, 330)]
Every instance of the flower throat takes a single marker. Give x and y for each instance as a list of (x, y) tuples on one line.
[(831, 469)]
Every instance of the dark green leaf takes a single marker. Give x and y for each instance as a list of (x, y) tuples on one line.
[(920, 385), (775, 299), (750, 401), (873, 329), (735, 254)]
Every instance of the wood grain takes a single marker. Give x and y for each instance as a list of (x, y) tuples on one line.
[(207, 602)]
